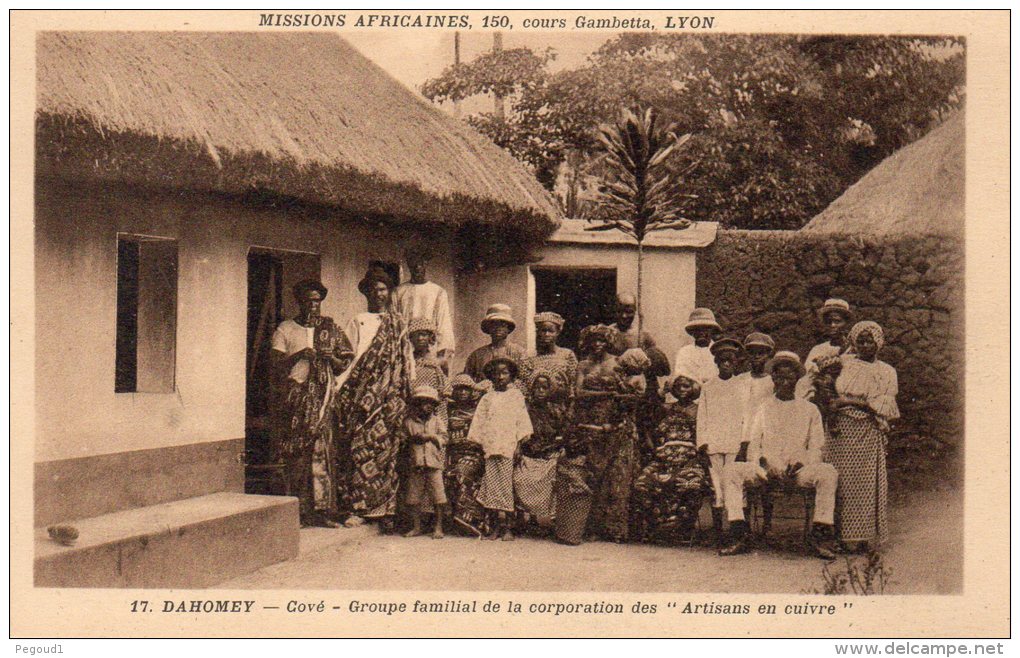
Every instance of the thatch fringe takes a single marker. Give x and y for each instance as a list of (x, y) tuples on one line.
[(917, 190), (301, 115)]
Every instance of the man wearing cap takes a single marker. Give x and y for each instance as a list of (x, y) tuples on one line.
[(834, 316), (759, 348), (722, 412), (696, 359), (307, 354), (498, 323), (784, 448), (561, 362), (421, 298)]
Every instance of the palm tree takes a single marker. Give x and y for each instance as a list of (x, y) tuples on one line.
[(638, 193)]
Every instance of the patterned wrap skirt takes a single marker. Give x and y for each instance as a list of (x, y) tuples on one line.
[(856, 448), (465, 464)]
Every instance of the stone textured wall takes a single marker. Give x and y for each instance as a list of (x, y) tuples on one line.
[(913, 286)]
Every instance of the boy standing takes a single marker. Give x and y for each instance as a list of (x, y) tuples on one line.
[(498, 323), (759, 348), (722, 412), (785, 443), (426, 434)]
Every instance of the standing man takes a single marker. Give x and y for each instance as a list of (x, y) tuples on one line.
[(421, 298), (697, 360), (649, 410), (308, 353), (835, 317)]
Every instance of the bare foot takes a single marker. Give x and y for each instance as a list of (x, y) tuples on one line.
[(508, 536), (413, 532), (438, 533), (353, 521)]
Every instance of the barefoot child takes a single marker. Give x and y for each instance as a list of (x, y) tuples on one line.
[(426, 434), (501, 422)]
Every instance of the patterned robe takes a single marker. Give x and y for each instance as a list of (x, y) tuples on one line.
[(370, 408), (669, 491)]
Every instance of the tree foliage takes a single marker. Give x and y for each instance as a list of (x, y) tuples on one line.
[(782, 124)]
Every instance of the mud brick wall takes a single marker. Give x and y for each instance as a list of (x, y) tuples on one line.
[(773, 281)]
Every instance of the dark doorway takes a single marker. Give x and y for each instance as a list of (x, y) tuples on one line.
[(271, 275), (582, 296)]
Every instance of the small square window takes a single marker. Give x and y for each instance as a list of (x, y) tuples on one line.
[(146, 314)]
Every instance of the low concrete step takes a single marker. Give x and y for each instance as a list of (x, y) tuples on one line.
[(196, 542)]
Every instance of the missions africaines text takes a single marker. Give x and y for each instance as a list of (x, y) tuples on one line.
[(456, 21)]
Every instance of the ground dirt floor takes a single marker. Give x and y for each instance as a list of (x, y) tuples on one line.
[(924, 556)]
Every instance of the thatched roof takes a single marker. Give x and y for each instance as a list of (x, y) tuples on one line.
[(301, 115), (917, 190)]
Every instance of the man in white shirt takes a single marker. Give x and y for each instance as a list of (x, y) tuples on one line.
[(421, 298), (784, 448), (697, 358), (722, 412)]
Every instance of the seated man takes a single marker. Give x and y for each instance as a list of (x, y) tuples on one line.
[(784, 447)]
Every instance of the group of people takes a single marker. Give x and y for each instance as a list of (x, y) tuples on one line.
[(614, 445)]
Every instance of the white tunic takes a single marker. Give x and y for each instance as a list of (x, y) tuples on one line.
[(427, 300), (501, 421), (786, 432), (361, 331), (759, 389), (696, 363), (722, 413)]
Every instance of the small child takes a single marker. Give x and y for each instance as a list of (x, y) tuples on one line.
[(465, 458), (823, 386), (428, 371), (426, 434), (632, 366), (501, 422)]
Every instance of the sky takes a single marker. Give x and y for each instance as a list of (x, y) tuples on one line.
[(412, 57)]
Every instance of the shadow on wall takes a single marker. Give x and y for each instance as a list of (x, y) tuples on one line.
[(912, 286)]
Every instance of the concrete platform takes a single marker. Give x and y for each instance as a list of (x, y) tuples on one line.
[(196, 542)]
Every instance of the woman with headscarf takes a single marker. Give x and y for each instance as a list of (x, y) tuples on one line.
[(604, 417), (370, 405), (560, 362), (865, 402)]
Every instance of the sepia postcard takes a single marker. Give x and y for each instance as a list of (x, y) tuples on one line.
[(530, 323)]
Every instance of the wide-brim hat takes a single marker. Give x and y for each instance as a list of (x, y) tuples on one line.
[(515, 368), (702, 317), (498, 313), (309, 284), (374, 275), (835, 305), (758, 339), (785, 357), (425, 392), (725, 344)]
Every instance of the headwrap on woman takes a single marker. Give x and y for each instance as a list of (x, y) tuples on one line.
[(589, 333), (550, 317), (867, 327)]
